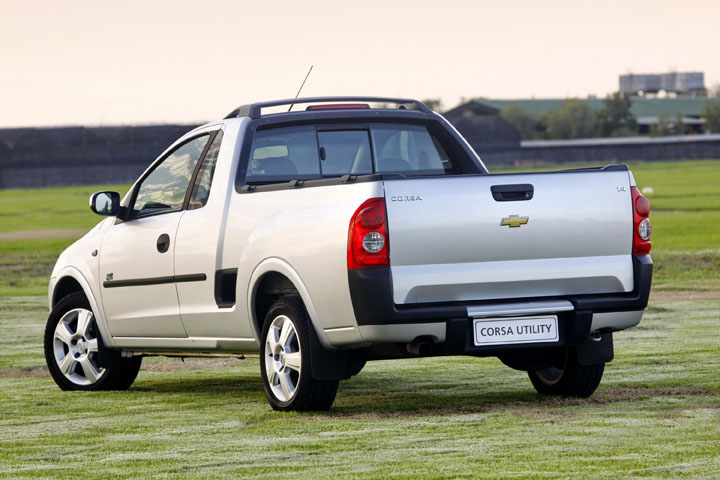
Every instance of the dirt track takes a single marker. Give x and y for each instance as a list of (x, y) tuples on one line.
[(36, 234)]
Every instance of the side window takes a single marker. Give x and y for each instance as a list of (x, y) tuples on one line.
[(201, 188), (167, 184), (345, 152)]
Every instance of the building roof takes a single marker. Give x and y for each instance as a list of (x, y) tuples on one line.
[(641, 107)]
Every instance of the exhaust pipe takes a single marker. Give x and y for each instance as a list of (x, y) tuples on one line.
[(420, 346)]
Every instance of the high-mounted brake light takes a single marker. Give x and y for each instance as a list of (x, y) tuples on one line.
[(338, 106), (367, 237), (642, 228)]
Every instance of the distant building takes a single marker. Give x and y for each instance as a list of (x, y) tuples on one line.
[(647, 111), (679, 83), (479, 121), (484, 128)]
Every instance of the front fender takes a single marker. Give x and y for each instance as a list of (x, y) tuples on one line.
[(77, 275)]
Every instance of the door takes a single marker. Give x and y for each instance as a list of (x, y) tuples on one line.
[(136, 266), (207, 309)]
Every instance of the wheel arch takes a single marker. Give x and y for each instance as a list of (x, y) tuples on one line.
[(70, 280), (64, 287), (272, 277)]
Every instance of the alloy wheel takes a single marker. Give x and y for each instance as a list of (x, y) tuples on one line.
[(283, 358), (75, 347)]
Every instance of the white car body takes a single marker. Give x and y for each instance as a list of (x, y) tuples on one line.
[(450, 255)]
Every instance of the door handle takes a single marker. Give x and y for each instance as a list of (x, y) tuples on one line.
[(163, 243), (512, 193)]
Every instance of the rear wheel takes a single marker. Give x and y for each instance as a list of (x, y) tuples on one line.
[(72, 346), (285, 360), (567, 377)]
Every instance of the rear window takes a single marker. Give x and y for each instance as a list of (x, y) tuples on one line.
[(311, 152), (408, 148)]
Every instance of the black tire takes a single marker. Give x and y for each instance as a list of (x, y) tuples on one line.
[(82, 351), (302, 392), (568, 377)]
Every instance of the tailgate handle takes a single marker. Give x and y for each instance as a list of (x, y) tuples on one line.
[(512, 193)]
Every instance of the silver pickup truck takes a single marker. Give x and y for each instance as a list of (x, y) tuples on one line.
[(344, 232)]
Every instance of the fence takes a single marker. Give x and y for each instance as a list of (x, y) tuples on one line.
[(607, 150), (38, 157)]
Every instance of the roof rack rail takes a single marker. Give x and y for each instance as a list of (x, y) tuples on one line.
[(254, 110)]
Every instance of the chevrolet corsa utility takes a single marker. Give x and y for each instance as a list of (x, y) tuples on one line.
[(341, 233)]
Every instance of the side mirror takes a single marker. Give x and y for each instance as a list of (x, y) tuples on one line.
[(105, 203)]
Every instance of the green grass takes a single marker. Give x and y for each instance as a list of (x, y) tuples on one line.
[(686, 201), (656, 415), (691, 185), (49, 208), (686, 231), (686, 270), (26, 263)]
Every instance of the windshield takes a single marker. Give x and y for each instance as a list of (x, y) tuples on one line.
[(310, 152)]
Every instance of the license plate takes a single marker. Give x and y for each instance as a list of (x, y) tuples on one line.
[(505, 331)]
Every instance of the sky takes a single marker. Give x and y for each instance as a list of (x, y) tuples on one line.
[(147, 62)]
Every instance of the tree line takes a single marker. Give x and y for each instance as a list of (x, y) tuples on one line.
[(576, 119)]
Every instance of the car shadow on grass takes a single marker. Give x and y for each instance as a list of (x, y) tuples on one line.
[(365, 398), (359, 396), (199, 384), (521, 401)]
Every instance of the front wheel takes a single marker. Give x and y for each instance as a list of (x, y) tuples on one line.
[(567, 377), (285, 360), (72, 348)]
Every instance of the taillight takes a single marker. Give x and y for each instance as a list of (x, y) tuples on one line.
[(367, 238), (642, 228)]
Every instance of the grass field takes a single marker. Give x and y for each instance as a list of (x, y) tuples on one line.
[(656, 414), (35, 226)]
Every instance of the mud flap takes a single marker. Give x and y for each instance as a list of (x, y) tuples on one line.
[(326, 364), (595, 350), (107, 357)]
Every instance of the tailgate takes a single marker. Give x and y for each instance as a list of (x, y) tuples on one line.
[(539, 234)]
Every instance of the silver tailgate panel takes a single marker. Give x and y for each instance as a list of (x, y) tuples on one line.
[(450, 246)]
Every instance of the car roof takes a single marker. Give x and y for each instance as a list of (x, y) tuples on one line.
[(327, 104)]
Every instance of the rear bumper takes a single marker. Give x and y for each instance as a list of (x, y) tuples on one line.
[(381, 320), (455, 337)]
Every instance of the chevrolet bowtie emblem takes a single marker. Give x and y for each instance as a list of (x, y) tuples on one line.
[(514, 221)]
